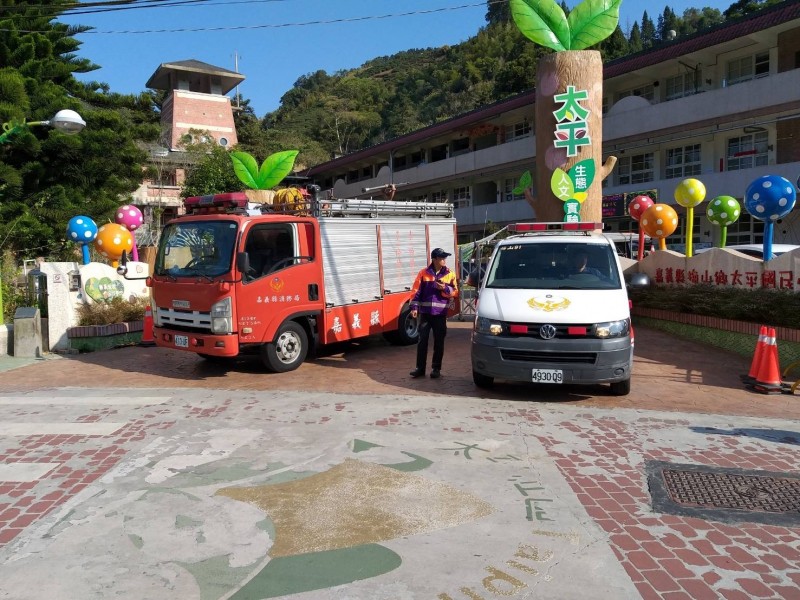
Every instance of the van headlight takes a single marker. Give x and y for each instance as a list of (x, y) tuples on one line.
[(221, 316), (484, 325), (613, 329)]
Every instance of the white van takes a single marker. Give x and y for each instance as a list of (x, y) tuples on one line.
[(553, 308)]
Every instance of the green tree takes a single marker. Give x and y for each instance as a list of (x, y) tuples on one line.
[(614, 46), (46, 177), (695, 20), (667, 21), (635, 39), (212, 174), (746, 7), (648, 31)]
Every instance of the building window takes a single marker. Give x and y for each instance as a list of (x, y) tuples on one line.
[(439, 153), (517, 131), (686, 84), (636, 169), (460, 146), (440, 196), (683, 161), (747, 68), (461, 197), (508, 191), (648, 92), (746, 230), (747, 151)]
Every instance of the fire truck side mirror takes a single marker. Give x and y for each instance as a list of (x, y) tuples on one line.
[(243, 262), (122, 269)]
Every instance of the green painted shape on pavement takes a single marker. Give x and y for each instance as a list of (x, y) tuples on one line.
[(419, 463), (318, 570), (215, 577), (361, 445)]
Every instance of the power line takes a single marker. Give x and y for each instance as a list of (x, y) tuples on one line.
[(270, 25)]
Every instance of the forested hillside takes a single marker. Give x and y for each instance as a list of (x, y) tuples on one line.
[(325, 114)]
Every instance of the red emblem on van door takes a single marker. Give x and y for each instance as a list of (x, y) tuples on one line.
[(276, 284)]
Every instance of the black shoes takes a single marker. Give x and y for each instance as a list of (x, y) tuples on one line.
[(435, 374)]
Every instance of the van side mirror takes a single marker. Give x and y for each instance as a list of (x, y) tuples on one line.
[(638, 281), (474, 278)]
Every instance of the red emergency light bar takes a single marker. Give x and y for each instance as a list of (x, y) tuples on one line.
[(215, 203), (558, 226)]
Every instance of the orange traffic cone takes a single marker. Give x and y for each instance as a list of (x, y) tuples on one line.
[(757, 356), (768, 380), (147, 330)]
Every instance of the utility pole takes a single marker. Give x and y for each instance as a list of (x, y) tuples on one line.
[(236, 68)]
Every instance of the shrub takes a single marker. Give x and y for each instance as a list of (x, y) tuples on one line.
[(118, 310), (779, 308)]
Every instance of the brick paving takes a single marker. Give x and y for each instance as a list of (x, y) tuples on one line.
[(600, 456)]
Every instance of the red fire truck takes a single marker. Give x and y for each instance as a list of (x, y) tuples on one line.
[(231, 279)]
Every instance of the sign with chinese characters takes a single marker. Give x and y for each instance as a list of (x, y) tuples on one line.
[(572, 187), (572, 130)]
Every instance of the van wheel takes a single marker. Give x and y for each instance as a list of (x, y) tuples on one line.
[(289, 349), (621, 388), (407, 332), (482, 381)]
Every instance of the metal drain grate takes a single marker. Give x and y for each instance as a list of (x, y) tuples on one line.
[(726, 490), (725, 494)]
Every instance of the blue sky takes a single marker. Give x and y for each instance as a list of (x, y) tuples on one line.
[(277, 41)]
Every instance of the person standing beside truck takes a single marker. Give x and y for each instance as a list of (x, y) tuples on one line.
[(434, 288)]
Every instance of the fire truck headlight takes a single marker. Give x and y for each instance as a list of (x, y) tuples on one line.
[(221, 321)]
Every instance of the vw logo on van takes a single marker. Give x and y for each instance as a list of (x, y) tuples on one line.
[(548, 332)]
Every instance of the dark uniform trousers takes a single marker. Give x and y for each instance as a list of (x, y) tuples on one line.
[(427, 324)]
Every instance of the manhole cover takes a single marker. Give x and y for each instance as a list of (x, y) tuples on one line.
[(725, 494)]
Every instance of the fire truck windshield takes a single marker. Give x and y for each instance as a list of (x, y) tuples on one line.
[(196, 248)]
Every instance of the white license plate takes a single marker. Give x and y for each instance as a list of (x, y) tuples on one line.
[(181, 341), (547, 376)]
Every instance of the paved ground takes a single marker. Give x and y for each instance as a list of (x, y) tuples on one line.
[(147, 473)]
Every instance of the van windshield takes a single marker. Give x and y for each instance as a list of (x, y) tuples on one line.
[(196, 248), (554, 266)]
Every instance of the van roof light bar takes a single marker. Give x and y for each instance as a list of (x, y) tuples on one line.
[(558, 226)]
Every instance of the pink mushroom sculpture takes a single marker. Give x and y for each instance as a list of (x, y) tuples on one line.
[(131, 219)]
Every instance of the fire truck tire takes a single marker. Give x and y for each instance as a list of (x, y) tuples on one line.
[(407, 333), (289, 349)]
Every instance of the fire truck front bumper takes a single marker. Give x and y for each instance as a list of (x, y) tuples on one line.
[(200, 343)]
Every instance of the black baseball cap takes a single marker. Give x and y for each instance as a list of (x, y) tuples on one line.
[(439, 253)]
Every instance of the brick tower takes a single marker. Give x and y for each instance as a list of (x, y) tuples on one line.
[(196, 100)]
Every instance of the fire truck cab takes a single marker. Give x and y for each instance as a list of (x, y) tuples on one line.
[(232, 278)]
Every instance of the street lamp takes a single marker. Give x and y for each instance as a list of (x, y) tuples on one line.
[(66, 121)]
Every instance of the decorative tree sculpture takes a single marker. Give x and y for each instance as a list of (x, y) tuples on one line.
[(272, 171), (569, 101)]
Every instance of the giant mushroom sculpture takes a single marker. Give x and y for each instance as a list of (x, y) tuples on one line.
[(723, 211), (659, 221), (636, 209), (769, 198)]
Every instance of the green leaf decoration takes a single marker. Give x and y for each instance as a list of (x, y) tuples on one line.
[(543, 22), (272, 171), (246, 169), (582, 174), (275, 168), (561, 185), (592, 21), (525, 181)]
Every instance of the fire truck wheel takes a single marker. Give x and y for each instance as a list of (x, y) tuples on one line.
[(407, 333), (289, 349)]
